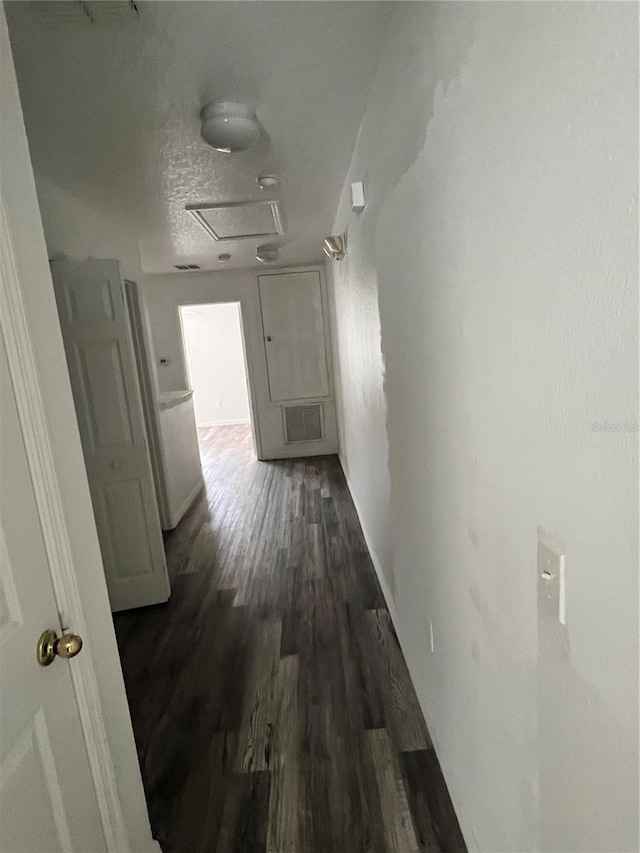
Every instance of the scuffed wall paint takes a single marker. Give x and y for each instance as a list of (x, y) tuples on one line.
[(360, 396), (486, 325)]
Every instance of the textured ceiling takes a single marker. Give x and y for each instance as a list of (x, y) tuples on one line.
[(112, 111)]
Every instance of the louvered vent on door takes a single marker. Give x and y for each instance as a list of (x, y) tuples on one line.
[(303, 423)]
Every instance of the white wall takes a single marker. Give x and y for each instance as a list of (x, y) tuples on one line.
[(164, 294), (489, 296), (213, 343), (76, 230)]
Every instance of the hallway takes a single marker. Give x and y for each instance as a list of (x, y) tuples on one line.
[(271, 704)]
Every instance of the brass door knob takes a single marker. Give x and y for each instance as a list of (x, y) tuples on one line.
[(49, 645)]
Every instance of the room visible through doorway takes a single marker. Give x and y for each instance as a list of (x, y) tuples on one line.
[(216, 370)]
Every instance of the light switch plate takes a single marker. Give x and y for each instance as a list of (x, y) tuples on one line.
[(551, 578), (357, 197)]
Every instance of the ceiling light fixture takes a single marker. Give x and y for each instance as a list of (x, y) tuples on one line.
[(267, 252), (267, 182), (228, 126), (224, 258)]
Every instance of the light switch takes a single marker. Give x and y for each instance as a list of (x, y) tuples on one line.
[(551, 579), (357, 197)]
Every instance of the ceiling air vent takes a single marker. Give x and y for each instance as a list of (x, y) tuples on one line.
[(238, 220), (183, 267), (303, 423)]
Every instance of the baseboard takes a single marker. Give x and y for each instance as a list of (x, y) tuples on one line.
[(317, 448), (384, 584), (223, 423), (174, 519)]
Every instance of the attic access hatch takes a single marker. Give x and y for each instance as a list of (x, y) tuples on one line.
[(238, 220)]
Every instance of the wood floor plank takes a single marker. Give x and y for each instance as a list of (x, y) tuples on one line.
[(399, 832), (260, 701), (289, 637), (283, 834), (270, 701), (244, 819), (434, 818), (357, 650), (401, 704), (201, 802), (202, 553)]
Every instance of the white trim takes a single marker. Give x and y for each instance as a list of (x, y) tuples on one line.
[(299, 451), (148, 388), (24, 375), (205, 424)]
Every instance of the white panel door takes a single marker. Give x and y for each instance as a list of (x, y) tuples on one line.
[(106, 393), (47, 799), (292, 315)]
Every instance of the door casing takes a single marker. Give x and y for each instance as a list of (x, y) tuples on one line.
[(248, 365)]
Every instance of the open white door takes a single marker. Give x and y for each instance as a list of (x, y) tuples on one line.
[(47, 798), (106, 393), (69, 775)]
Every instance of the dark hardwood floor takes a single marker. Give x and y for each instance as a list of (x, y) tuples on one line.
[(271, 704)]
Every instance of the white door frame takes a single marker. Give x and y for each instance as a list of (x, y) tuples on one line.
[(23, 261), (186, 302)]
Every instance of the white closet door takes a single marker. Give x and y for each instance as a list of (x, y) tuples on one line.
[(108, 404), (292, 315)]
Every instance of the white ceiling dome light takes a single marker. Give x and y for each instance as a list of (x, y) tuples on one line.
[(228, 126), (267, 182), (267, 253)]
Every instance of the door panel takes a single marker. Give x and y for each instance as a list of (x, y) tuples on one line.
[(89, 301), (47, 799), (293, 321), (31, 758), (106, 413), (125, 507), (106, 393)]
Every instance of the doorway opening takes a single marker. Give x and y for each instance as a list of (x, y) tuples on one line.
[(216, 370)]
